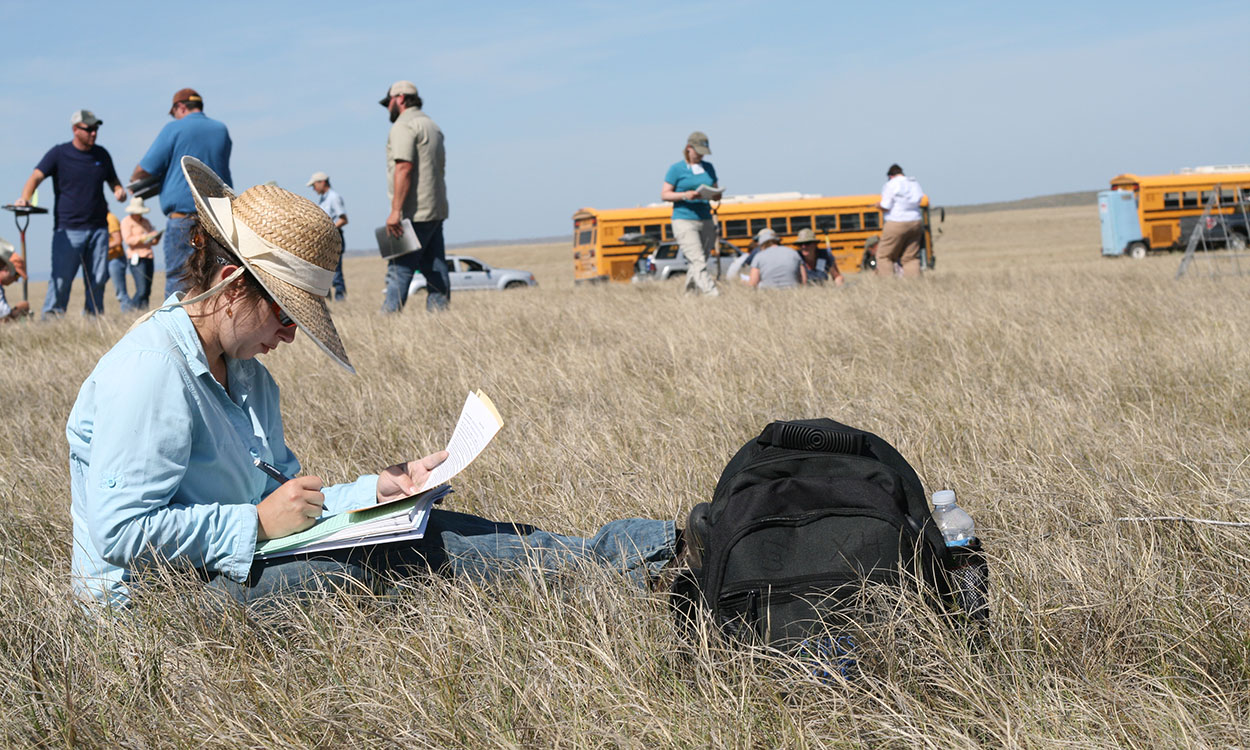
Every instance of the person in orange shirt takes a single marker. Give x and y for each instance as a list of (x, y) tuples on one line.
[(117, 262), (140, 238)]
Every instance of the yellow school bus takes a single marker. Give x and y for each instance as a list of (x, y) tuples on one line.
[(841, 223), (1163, 200)]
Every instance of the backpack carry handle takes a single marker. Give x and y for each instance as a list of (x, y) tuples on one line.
[(797, 436)]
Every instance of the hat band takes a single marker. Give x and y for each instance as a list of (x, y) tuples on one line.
[(268, 257)]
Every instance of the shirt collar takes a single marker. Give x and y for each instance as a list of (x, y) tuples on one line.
[(182, 331)]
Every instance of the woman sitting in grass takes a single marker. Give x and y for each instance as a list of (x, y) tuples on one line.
[(165, 431)]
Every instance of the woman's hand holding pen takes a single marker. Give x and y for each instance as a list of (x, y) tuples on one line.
[(292, 507), (406, 479)]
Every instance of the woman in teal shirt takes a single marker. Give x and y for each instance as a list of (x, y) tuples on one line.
[(693, 227), (165, 430)]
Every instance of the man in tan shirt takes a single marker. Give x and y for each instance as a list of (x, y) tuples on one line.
[(415, 183)]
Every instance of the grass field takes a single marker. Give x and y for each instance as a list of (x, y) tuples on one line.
[(1053, 389)]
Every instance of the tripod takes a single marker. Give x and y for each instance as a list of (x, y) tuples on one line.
[(21, 216)]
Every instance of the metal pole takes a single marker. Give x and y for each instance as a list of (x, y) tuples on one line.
[(21, 230), (21, 217)]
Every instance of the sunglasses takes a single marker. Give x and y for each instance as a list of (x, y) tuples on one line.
[(88, 128), (284, 320)]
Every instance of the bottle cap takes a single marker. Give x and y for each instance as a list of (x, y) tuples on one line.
[(943, 497)]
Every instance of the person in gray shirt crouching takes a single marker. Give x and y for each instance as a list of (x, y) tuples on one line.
[(775, 266)]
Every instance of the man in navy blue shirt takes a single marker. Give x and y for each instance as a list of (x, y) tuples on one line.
[(80, 231), (190, 134)]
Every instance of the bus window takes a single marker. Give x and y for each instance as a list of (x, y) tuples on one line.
[(736, 228), (1189, 199), (1206, 196), (757, 225), (632, 229), (668, 231), (653, 230), (849, 222), (872, 220), (584, 237), (1171, 200), (1245, 195), (827, 223), (778, 223), (800, 222)]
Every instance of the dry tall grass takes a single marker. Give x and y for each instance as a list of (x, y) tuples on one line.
[(1053, 389)]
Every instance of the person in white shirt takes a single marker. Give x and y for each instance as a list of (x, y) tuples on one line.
[(332, 203), (904, 230)]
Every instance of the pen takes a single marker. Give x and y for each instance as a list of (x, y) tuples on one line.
[(271, 470)]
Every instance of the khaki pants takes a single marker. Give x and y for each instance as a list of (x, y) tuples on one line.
[(900, 241), (696, 238)]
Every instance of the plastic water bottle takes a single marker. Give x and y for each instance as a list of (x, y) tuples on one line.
[(954, 522)]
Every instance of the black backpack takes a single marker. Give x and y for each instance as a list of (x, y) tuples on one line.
[(801, 517)]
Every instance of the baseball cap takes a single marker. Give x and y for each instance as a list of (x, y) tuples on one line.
[(11, 260), (398, 87), (698, 139), (765, 235), (84, 117), (317, 177), (805, 235), (185, 95)]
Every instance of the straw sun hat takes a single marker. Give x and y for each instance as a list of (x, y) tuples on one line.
[(289, 244)]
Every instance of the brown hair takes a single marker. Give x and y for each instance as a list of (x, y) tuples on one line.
[(199, 273)]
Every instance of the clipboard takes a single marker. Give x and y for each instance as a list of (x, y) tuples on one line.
[(148, 187), (393, 247)]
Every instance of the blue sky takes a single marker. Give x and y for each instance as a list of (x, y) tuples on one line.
[(549, 107)]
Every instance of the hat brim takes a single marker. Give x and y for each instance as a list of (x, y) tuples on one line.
[(386, 100), (4, 257), (309, 311), (134, 211), (701, 150)]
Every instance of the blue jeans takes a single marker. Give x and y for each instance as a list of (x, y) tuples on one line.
[(458, 544), (71, 249), (430, 260), (141, 272), (117, 275), (338, 285), (177, 246)]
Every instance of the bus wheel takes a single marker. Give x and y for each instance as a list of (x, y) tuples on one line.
[(1137, 250)]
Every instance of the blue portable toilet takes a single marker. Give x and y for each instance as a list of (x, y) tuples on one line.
[(1117, 213)]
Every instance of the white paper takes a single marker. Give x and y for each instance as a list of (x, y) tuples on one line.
[(479, 421), (709, 193)]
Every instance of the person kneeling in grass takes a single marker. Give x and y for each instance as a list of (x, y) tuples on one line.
[(165, 431)]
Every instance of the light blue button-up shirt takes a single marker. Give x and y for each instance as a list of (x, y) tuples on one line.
[(161, 460), (332, 203)]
